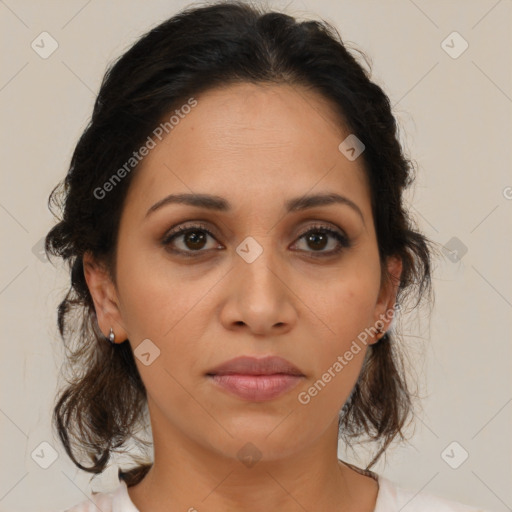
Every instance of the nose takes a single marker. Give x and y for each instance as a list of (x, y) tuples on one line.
[(259, 298)]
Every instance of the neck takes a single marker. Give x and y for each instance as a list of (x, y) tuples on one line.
[(187, 476)]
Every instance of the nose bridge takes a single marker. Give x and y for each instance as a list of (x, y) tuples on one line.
[(261, 299), (257, 266)]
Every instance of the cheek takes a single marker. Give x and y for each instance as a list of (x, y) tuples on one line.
[(163, 306), (338, 357), (348, 307), (154, 298)]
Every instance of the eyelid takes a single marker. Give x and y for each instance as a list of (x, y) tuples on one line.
[(344, 242), (318, 225), (184, 227)]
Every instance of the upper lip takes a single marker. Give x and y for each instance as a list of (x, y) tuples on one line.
[(246, 365)]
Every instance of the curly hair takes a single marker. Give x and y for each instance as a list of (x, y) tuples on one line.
[(196, 50)]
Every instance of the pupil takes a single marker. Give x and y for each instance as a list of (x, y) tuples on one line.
[(195, 239), (316, 237)]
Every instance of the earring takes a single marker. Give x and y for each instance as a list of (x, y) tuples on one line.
[(111, 336)]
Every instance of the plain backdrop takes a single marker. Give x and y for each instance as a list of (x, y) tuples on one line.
[(453, 104)]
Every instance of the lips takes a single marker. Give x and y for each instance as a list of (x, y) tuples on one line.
[(254, 379), (244, 365)]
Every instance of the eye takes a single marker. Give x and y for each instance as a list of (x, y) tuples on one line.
[(193, 239), (318, 236)]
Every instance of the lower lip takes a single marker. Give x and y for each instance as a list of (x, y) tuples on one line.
[(257, 388)]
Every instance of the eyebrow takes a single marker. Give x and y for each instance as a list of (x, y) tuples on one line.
[(217, 203)]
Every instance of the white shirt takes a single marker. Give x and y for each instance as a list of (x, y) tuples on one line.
[(390, 498)]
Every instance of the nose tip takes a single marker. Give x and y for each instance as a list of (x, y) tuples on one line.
[(259, 298)]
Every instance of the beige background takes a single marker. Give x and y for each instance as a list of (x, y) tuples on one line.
[(455, 118)]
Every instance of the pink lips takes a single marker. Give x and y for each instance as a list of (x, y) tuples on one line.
[(256, 379)]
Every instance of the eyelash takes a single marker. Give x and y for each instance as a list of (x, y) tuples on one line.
[(343, 241)]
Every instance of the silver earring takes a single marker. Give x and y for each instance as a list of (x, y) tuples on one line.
[(111, 336)]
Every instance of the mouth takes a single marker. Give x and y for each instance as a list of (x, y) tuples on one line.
[(256, 379)]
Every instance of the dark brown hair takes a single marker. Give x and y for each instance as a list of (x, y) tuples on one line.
[(198, 49)]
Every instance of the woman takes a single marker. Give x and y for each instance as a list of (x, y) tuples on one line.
[(238, 245)]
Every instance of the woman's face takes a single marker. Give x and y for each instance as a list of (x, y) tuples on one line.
[(255, 286)]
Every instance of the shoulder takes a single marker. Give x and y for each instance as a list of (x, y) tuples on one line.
[(114, 501), (392, 498), (100, 501)]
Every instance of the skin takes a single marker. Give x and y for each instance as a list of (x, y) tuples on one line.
[(255, 146)]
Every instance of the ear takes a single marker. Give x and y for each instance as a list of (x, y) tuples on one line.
[(385, 306), (104, 296)]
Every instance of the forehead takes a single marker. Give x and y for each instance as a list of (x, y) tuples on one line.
[(252, 142)]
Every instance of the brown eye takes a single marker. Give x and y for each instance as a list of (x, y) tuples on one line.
[(318, 237), (193, 239)]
